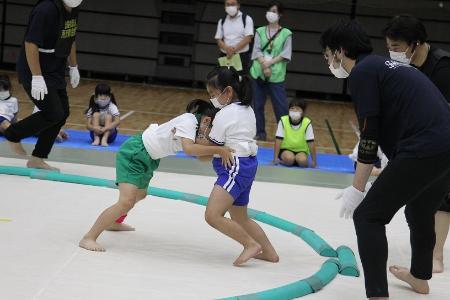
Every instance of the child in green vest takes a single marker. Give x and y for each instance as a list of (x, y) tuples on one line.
[(295, 138)]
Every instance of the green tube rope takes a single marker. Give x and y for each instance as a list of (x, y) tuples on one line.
[(346, 264)]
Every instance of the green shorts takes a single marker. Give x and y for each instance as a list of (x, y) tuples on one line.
[(133, 163)]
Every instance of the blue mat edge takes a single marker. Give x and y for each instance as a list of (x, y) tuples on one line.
[(79, 139)]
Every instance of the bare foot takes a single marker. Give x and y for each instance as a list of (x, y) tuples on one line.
[(91, 245), (39, 163), (249, 252), (17, 148), (96, 142), (403, 274), (120, 227), (270, 257), (105, 143), (438, 265)]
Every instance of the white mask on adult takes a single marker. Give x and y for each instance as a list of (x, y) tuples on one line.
[(231, 10), (72, 3), (272, 17), (339, 72), (400, 57)]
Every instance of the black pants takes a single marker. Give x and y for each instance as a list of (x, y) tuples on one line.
[(54, 110), (420, 184)]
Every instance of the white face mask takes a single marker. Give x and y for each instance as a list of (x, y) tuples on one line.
[(4, 95), (231, 10), (72, 3), (295, 115), (102, 102), (400, 57), (272, 17), (339, 72), (216, 103)]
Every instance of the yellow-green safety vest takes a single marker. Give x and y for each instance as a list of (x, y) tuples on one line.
[(295, 139)]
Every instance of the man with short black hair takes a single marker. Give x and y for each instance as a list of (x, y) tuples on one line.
[(403, 112), (235, 33), (406, 38)]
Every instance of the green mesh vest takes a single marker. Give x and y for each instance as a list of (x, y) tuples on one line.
[(278, 69), (294, 139)]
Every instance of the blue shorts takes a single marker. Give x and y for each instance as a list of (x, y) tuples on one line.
[(112, 136), (238, 179)]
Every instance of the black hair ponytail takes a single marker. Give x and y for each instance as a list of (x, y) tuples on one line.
[(222, 77)]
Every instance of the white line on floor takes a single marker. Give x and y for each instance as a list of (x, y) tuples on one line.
[(71, 258), (127, 115)]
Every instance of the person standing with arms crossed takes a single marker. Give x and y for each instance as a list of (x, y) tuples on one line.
[(49, 44)]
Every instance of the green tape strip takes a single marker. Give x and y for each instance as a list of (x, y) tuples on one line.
[(327, 272), (347, 260)]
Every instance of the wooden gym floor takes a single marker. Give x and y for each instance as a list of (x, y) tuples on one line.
[(144, 104)]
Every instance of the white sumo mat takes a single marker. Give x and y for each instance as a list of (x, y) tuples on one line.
[(173, 254)]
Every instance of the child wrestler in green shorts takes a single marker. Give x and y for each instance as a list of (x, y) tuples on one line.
[(139, 157)]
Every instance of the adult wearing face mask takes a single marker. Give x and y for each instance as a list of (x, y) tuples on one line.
[(49, 44), (406, 39), (235, 33), (401, 110), (271, 53)]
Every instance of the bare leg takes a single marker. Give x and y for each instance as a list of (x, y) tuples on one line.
[(442, 223), (220, 201), (120, 226), (96, 123), (287, 158), (418, 285), (239, 214), (108, 121), (302, 160), (39, 163), (127, 200)]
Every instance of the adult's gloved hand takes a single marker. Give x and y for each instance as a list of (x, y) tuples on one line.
[(74, 75), (38, 87), (351, 198)]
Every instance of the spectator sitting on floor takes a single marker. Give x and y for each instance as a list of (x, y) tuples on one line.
[(295, 138)]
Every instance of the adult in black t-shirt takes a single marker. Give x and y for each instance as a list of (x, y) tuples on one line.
[(402, 111), (406, 39), (48, 45)]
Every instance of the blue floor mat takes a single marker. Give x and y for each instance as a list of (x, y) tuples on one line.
[(81, 140)]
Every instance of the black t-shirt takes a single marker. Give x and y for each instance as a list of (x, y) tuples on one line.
[(438, 71), (414, 116), (43, 30)]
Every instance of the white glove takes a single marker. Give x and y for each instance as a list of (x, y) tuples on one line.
[(74, 75), (351, 198), (368, 187), (38, 87)]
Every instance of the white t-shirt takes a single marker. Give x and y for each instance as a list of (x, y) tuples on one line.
[(235, 126), (111, 109), (309, 135), (161, 141), (8, 108), (233, 32)]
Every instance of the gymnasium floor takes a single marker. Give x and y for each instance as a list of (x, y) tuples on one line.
[(173, 254), (142, 104)]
